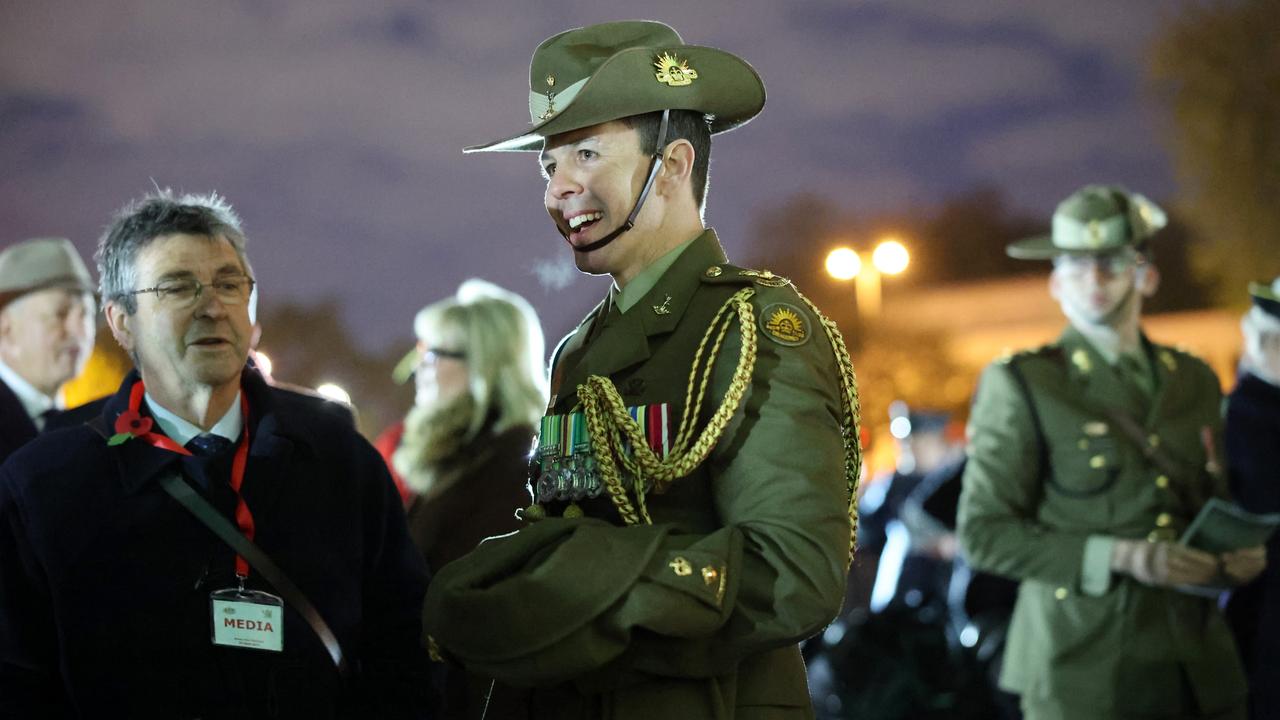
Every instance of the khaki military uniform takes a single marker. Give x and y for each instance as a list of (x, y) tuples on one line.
[(696, 615), (1032, 499)]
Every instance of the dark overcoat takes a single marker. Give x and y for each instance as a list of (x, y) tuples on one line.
[(16, 427), (1253, 453), (105, 579)]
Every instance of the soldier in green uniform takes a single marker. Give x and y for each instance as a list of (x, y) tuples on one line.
[(1087, 459), (693, 480)]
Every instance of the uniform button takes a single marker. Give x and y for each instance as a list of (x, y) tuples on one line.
[(1162, 481), (714, 271), (710, 575), (1060, 593), (1153, 536), (1154, 440), (1163, 520), (1097, 461)]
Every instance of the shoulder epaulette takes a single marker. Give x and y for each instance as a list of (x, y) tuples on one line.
[(726, 274), (1046, 350)]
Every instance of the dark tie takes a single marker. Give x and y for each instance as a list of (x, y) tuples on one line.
[(208, 445), (48, 416)]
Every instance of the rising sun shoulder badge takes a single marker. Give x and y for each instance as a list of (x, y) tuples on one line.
[(674, 71), (785, 324)]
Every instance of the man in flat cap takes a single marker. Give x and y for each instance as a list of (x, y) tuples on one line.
[(694, 472), (1253, 458), (1088, 457), (46, 333)]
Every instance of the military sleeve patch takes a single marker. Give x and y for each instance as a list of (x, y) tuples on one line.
[(785, 324)]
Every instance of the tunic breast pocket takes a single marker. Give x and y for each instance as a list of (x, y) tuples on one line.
[(1089, 466)]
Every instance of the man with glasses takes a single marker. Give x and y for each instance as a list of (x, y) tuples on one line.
[(1088, 457), (46, 333), (116, 601)]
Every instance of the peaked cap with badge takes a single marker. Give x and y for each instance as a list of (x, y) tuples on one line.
[(1092, 220), (591, 75), (1266, 297), (39, 264)]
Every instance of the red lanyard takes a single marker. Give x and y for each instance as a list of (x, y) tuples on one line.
[(244, 518)]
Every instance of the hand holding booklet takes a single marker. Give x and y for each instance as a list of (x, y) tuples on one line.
[(1221, 527)]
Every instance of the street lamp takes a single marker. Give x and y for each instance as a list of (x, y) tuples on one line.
[(890, 257)]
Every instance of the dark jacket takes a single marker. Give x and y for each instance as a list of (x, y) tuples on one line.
[(16, 428), (1253, 455), (477, 494), (477, 497), (105, 580)]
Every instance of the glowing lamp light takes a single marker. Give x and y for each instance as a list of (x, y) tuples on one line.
[(890, 257), (900, 427), (843, 264), (334, 392)]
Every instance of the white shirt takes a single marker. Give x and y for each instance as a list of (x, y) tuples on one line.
[(34, 402), (181, 431)]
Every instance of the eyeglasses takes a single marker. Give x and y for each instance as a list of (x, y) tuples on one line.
[(1113, 263), (230, 290)]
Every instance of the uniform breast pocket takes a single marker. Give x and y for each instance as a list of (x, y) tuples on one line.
[(1090, 466)]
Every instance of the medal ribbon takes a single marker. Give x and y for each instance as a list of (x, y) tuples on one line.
[(244, 518)]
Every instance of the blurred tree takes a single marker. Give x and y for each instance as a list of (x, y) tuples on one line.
[(308, 345), (1218, 66)]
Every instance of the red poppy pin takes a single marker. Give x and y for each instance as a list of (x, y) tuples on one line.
[(130, 424)]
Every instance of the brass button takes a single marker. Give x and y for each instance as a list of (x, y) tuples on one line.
[(681, 567), (1060, 593), (1154, 440), (1162, 481), (710, 575), (1153, 536), (1163, 520), (1097, 461), (551, 81), (714, 271)]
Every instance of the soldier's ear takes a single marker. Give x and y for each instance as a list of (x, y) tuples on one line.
[(121, 324), (1148, 279), (677, 165)]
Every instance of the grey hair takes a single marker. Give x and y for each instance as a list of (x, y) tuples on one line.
[(154, 215)]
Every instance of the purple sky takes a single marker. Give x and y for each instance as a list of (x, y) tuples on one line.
[(335, 128)]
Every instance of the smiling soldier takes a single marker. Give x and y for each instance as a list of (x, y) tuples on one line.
[(692, 480), (1087, 458), (116, 602)]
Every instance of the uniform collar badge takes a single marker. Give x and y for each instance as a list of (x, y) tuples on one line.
[(1080, 359)]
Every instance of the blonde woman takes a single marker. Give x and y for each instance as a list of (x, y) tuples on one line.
[(480, 389)]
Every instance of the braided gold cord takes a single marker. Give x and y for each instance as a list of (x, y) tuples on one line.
[(850, 423), (609, 423)]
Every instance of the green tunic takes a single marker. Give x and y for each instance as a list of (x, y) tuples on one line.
[(1032, 501), (699, 614)]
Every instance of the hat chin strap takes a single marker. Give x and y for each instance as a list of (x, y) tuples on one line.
[(654, 164)]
